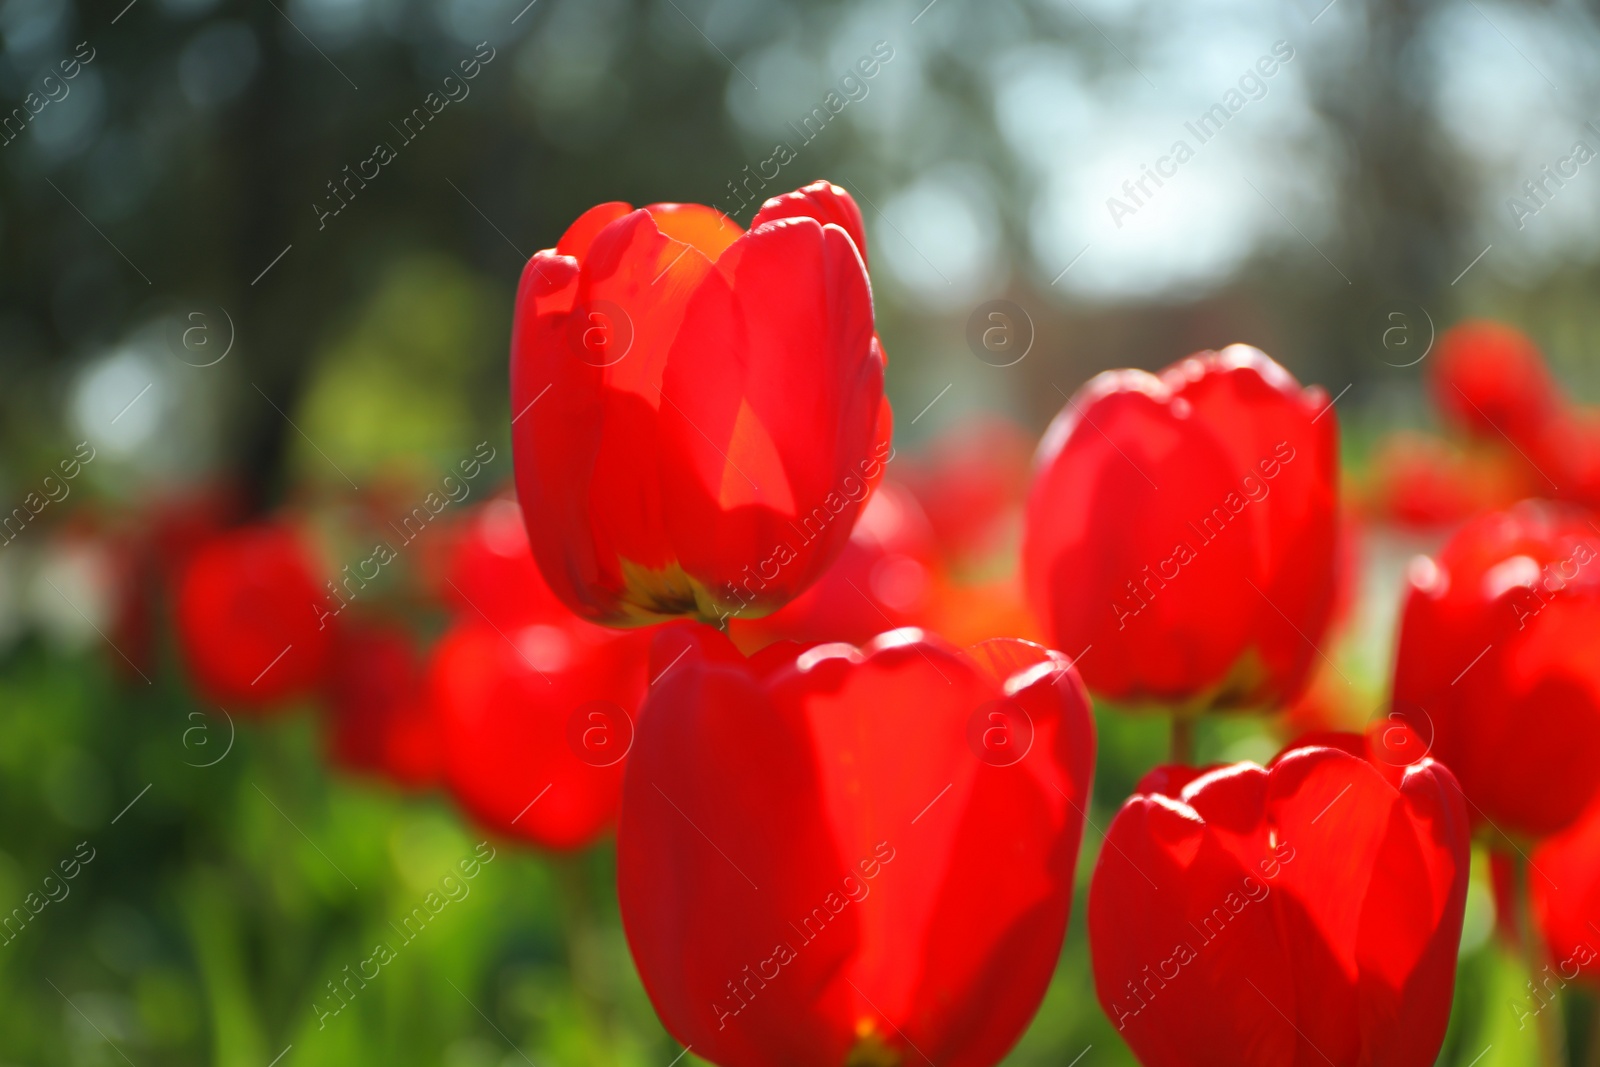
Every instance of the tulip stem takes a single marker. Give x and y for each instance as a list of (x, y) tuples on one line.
[(583, 949), (1552, 1050), (1182, 739)]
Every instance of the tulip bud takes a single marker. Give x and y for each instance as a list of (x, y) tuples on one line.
[(254, 625), (697, 412), (852, 855), (1496, 664), (1181, 529), (1305, 912), (535, 705)]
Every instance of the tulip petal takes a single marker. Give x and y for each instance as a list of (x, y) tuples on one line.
[(254, 626), (670, 373), (587, 385), (1320, 885), (704, 890), (1495, 660), (705, 229), (1273, 425), (1184, 944), (771, 399), (1030, 823), (1335, 811), (921, 892), (822, 201), (1213, 585), (586, 227), (505, 700), (1158, 594), (1413, 914), (1565, 885)]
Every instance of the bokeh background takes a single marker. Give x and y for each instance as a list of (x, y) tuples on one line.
[(177, 290)]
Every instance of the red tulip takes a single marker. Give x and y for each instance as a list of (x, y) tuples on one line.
[(1497, 666), (852, 856), (1564, 881), (178, 522), (253, 621), (972, 481), (149, 550), (1307, 913), (379, 718), (1328, 702), (886, 577), (1491, 379), (1181, 529), (698, 413), (1422, 481), (491, 574), (1564, 457), (535, 706)]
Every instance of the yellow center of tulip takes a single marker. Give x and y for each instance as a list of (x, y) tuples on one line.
[(870, 1050)]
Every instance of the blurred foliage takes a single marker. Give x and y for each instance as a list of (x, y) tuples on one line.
[(221, 902), (395, 387)]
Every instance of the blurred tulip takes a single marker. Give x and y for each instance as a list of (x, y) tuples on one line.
[(180, 521), (150, 551), (1328, 702), (1565, 456), (1497, 667), (967, 613), (1420, 481), (698, 411), (535, 706), (491, 574), (886, 577), (1306, 913), (1565, 884), (254, 624), (1181, 531), (1491, 379), (379, 718), (972, 481), (852, 856)]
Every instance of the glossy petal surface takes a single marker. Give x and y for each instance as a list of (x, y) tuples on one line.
[(815, 862), (1304, 913), (1183, 527), (698, 412)]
